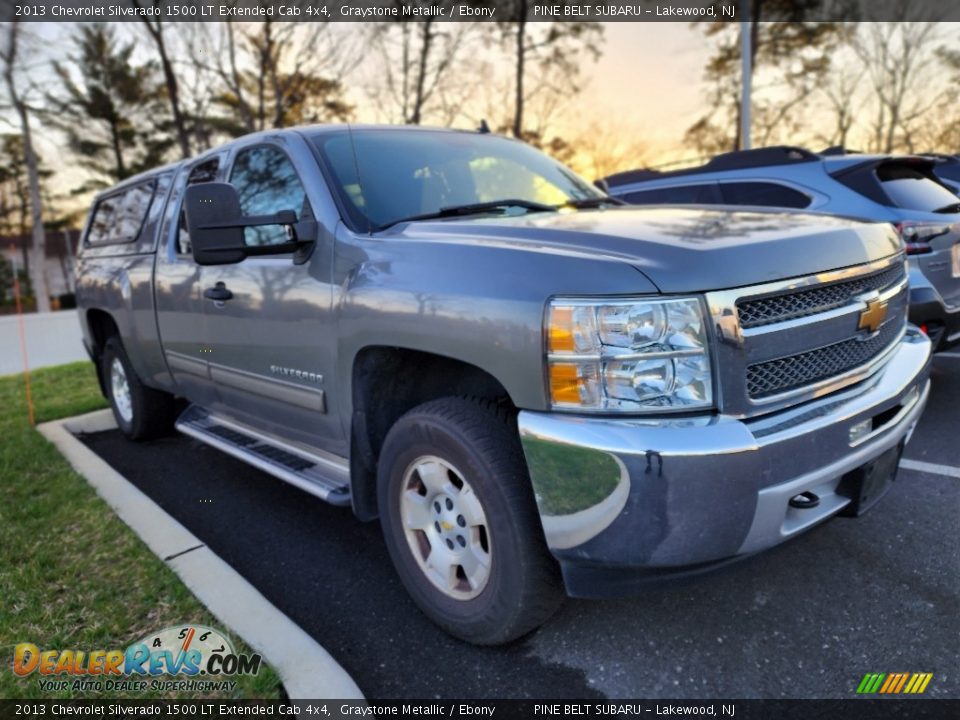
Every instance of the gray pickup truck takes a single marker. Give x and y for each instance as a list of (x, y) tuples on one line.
[(535, 389)]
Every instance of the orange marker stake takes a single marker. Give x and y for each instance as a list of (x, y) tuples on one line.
[(23, 344)]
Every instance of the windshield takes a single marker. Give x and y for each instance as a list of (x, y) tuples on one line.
[(405, 174)]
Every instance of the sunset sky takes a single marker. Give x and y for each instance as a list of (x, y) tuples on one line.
[(647, 83), (646, 86)]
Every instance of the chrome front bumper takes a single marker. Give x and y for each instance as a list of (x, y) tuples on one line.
[(665, 494)]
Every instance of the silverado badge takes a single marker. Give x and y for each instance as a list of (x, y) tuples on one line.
[(295, 373)]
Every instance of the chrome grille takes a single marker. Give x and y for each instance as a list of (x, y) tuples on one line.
[(784, 374), (785, 342), (767, 311)]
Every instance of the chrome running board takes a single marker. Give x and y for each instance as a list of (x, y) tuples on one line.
[(326, 477)]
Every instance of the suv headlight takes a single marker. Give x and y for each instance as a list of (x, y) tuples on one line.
[(628, 356)]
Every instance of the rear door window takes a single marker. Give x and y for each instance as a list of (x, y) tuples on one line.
[(679, 195), (131, 212), (763, 194), (119, 218), (102, 221), (908, 188)]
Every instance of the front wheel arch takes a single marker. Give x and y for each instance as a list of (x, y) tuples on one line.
[(410, 378)]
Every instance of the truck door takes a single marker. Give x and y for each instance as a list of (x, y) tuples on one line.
[(272, 342), (180, 320)]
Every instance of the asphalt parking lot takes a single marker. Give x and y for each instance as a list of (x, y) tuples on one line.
[(877, 594)]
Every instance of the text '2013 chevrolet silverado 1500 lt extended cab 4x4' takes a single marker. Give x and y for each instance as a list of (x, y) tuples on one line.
[(533, 388)]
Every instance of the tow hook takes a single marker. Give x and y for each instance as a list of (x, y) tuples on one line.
[(804, 500)]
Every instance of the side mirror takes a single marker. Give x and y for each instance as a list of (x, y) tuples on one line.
[(215, 223)]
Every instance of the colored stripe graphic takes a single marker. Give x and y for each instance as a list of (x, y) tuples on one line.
[(891, 681), (870, 683), (923, 679), (894, 683), (903, 679)]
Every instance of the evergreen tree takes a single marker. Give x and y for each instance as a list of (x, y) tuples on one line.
[(111, 110)]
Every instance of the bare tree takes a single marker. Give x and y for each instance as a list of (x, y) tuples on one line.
[(940, 130), (200, 85), (17, 99), (275, 74), (418, 60), (790, 54), (553, 50), (840, 90), (155, 29), (454, 101), (896, 57)]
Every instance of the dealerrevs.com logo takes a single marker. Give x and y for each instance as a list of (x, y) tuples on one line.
[(183, 652)]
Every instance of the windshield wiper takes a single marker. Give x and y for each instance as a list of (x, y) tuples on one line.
[(594, 202), (475, 209), (949, 209)]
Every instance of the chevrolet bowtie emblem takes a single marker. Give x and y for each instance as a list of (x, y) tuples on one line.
[(872, 318)]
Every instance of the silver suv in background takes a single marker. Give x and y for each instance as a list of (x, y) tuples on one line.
[(947, 169), (905, 191)]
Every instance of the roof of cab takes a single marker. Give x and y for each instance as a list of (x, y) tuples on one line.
[(327, 128), (140, 177)]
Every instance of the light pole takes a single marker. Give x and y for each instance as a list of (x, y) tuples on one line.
[(745, 74)]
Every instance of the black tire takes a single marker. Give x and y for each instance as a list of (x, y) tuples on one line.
[(523, 586), (151, 412)]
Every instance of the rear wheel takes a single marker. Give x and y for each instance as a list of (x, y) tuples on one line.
[(141, 412), (461, 524)]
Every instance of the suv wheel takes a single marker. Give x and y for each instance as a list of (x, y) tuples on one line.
[(460, 521), (141, 412)]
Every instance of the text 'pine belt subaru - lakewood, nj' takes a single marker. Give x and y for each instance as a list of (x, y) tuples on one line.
[(534, 388)]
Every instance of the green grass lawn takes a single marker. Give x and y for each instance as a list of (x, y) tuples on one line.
[(72, 575)]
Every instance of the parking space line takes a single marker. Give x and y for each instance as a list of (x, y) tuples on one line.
[(932, 468)]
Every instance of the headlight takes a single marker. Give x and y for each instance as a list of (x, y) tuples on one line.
[(628, 356)]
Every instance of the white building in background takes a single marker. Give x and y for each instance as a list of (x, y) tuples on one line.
[(61, 252)]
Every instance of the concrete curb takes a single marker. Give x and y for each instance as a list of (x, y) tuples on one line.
[(305, 668)]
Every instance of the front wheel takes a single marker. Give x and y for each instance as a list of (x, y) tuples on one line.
[(141, 412), (460, 521)]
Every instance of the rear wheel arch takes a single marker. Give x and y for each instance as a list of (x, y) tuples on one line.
[(102, 327), (141, 412)]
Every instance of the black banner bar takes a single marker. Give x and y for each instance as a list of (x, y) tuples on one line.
[(853, 709), (477, 10)]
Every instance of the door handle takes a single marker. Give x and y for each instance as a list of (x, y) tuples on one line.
[(218, 292)]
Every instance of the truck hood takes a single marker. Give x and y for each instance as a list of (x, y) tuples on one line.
[(684, 249)]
